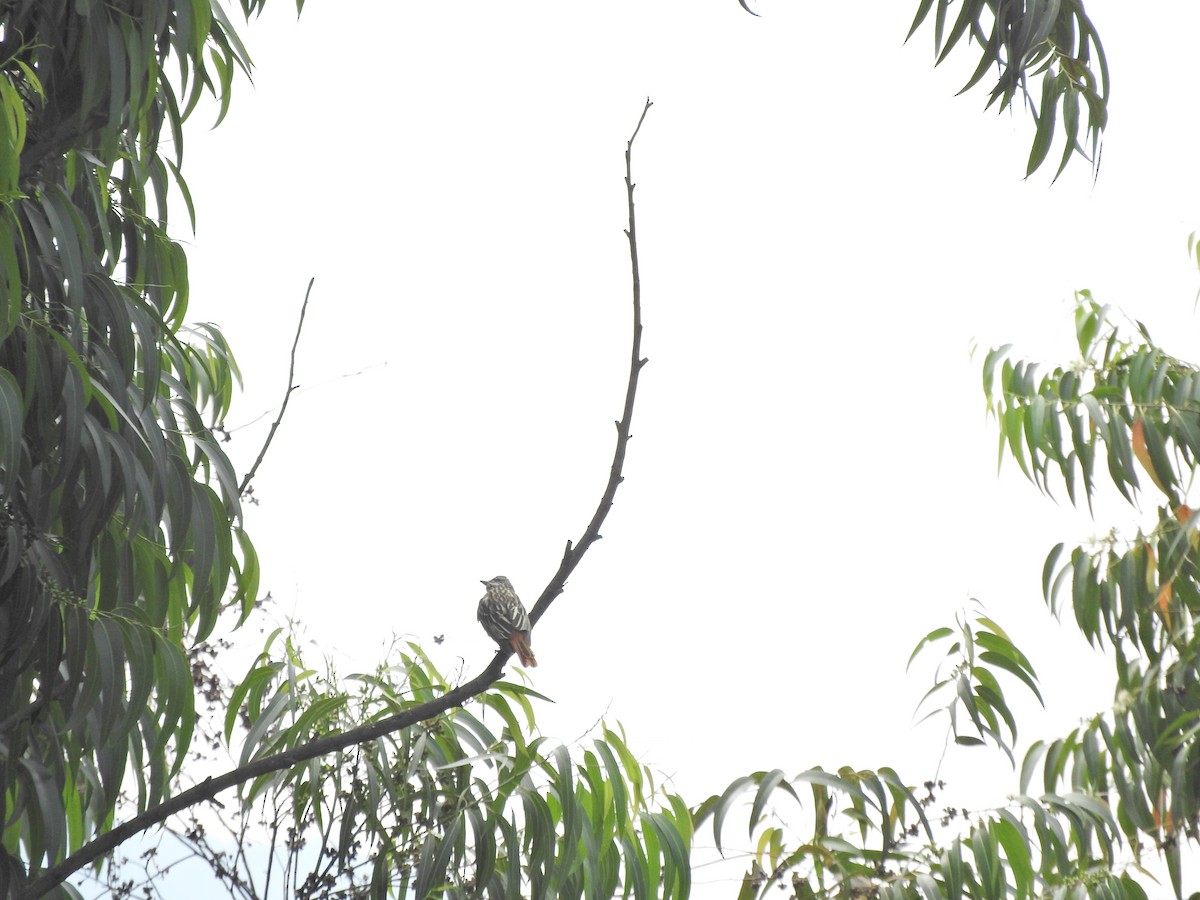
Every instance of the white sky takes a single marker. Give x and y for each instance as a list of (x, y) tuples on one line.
[(824, 231)]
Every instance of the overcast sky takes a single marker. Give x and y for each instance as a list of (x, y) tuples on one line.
[(825, 232)]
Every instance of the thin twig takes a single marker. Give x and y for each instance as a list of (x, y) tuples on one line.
[(334, 743), (574, 553), (291, 386)]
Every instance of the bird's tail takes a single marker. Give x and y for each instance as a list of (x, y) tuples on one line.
[(520, 645)]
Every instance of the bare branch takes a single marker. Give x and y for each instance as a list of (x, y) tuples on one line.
[(591, 534), (291, 386)]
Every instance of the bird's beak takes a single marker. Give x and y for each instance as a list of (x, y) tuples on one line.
[(482, 581)]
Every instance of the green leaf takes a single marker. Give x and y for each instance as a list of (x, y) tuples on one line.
[(723, 805), (60, 214), (1048, 572), (431, 872), (767, 783), (936, 635), (1044, 135), (953, 870), (1016, 843), (637, 873), (1000, 652), (676, 869), (966, 15), (621, 801), (994, 356), (11, 431), (11, 290), (46, 816)]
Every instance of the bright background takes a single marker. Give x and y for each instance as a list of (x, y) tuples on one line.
[(825, 232)]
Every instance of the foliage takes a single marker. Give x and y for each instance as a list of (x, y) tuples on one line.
[(1125, 786), (972, 684), (871, 835), (473, 803), (1139, 596), (1022, 38), (453, 805), (120, 543), (464, 808), (119, 516)]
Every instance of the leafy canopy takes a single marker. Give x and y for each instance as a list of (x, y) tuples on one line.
[(120, 520), (121, 543)]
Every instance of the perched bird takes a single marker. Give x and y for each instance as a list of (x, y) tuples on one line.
[(505, 620)]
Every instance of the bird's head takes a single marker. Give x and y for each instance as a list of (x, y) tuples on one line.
[(498, 581)]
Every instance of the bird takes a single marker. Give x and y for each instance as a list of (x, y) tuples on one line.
[(505, 619)]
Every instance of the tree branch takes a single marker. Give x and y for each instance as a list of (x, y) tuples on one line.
[(34, 709), (291, 386), (210, 787), (573, 554)]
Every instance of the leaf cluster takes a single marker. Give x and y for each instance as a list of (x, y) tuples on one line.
[(971, 684), (472, 803), (1025, 39), (120, 532), (1130, 404), (1124, 788)]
